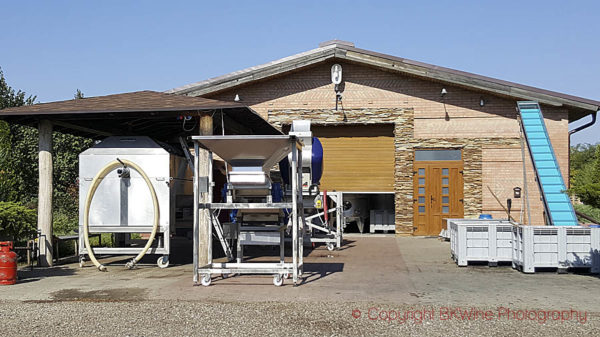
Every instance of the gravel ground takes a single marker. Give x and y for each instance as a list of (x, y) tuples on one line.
[(187, 318)]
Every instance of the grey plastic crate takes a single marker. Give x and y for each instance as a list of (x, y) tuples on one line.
[(556, 247), (484, 240), (382, 220)]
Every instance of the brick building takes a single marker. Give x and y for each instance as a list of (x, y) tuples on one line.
[(439, 141)]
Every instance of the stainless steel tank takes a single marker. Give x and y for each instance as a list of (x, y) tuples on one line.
[(123, 205)]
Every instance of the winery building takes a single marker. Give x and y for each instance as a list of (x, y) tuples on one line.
[(438, 142)]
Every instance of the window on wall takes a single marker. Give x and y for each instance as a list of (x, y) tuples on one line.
[(438, 155)]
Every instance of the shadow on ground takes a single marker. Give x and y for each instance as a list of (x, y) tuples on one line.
[(318, 271), (28, 275)]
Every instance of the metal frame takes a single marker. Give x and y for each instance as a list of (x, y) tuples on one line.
[(332, 236), (279, 270), (163, 247)]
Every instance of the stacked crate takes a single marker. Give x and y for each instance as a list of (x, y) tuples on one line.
[(527, 247)]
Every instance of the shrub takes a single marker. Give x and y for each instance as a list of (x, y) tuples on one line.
[(17, 222), (63, 223)]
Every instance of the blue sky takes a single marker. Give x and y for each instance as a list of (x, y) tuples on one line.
[(51, 48)]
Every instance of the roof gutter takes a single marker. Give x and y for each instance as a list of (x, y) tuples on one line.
[(586, 125), (577, 129)]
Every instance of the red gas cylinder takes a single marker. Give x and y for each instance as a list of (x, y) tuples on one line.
[(8, 263)]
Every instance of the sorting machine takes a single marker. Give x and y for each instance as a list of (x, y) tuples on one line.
[(263, 212), (262, 216)]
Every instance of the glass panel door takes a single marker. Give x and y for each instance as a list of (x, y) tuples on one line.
[(438, 195)]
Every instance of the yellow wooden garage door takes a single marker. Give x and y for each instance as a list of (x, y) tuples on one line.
[(357, 158)]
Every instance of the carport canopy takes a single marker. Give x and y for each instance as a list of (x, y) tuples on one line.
[(164, 117)]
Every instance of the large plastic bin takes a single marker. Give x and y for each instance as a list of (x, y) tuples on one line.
[(484, 240), (382, 220), (556, 247)]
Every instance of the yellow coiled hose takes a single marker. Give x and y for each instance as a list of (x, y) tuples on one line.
[(86, 213)]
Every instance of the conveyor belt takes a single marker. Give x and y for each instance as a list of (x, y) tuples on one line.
[(557, 204)]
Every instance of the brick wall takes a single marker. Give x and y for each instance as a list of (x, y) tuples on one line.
[(489, 134)]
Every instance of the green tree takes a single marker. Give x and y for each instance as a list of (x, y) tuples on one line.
[(585, 174), (581, 156), (19, 163), (10, 98), (9, 186), (78, 94)]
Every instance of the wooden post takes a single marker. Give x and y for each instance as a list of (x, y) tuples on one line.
[(206, 129), (45, 193)]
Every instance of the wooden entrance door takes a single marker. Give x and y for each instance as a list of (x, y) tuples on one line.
[(438, 194)]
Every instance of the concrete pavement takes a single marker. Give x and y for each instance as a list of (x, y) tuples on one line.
[(406, 270)]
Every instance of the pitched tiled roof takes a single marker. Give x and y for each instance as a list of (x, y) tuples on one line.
[(145, 113)]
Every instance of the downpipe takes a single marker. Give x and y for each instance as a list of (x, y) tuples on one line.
[(584, 126), (577, 129)]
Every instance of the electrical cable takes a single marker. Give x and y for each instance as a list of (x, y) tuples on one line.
[(183, 126)]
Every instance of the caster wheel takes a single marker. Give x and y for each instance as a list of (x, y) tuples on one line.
[(206, 280), (224, 276), (81, 262), (278, 280), (163, 261), (330, 247), (286, 275)]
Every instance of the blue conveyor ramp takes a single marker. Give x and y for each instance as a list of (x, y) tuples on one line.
[(558, 207)]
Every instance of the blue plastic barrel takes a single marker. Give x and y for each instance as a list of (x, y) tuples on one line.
[(317, 160), (485, 216)]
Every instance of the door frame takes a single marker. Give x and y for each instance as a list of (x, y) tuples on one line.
[(427, 223)]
